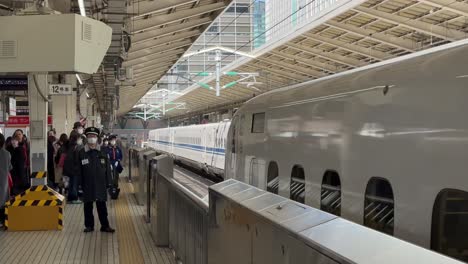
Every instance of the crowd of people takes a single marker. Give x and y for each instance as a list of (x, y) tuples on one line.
[(83, 166)]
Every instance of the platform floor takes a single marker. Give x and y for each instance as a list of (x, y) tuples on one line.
[(132, 242)]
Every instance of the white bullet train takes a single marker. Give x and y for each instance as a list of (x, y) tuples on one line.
[(198, 146), (385, 146)]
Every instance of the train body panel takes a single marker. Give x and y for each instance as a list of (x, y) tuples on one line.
[(202, 144), (394, 134)]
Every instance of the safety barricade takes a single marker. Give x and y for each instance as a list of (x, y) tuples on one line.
[(38, 208)]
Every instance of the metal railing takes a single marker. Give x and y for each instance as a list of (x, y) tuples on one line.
[(243, 224), (180, 220)]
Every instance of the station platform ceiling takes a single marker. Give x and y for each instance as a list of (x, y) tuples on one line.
[(351, 34)]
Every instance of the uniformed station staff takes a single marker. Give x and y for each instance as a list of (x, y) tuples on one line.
[(95, 178)]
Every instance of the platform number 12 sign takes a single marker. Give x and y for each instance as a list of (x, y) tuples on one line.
[(60, 89)]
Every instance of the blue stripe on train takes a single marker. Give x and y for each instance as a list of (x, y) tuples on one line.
[(217, 151)]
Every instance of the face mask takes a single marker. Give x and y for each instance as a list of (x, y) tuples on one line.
[(79, 141), (105, 143), (92, 140), (14, 143), (80, 131), (113, 142)]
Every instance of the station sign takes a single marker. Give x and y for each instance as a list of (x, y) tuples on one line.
[(16, 121), (12, 106), (60, 89), (13, 83)]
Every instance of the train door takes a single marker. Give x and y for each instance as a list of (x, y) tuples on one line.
[(171, 133), (253, 174), (256, 173), (231, 149), (218, 148), (205, 142), (214, 146)]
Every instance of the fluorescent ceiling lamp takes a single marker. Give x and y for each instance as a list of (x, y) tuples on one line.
[(82, 7), (79, 79), (87, 94)]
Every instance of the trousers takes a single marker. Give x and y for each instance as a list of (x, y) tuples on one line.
[(102, 213), (73, 189)]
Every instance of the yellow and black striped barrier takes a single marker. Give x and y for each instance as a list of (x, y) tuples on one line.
[(39, 174), (38, 208), (38, 178)]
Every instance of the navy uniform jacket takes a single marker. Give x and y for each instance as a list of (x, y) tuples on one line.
[(95, 173), (115, 154)]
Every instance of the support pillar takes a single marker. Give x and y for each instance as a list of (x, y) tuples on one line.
[(38, 110), (90, 113), (84, 103), (64, 109), (122, 122)]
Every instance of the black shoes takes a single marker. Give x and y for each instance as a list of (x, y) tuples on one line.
[(103, 229), (107, 229)]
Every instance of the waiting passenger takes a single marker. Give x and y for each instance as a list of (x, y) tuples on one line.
[(66, 160), (60, 148), (50, 159), (105, 142), (115, 156), (79, 128), (20, 162), (5, 167), (95, 178), (62, 140)]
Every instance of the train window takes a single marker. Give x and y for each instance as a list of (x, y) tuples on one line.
[(258, 123), (297, 186), (379, 205), (450, 224), (272, 178), (331, 193)]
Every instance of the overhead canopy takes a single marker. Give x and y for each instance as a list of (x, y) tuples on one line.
[(161, 33), (350, 35)]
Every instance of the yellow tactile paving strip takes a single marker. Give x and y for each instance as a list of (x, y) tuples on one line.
[(132, 242), (129, 248)]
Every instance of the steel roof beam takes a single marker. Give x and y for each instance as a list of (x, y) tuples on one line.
[(400, 43), (152, 64), (159, 49), (156, 72), (189, 99), (146, 7), (371, 53), (291, 76), (450, 5), (149, 35), (164, 40), (429, 29), (288, 66), (155, 68), (328, 55), (162, 61), (311, 62), (149, 76), (235, 91), (153, 59), (156, 21), (270, 77)]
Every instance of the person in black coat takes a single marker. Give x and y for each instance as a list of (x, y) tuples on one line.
[(20, 161), (50, 160), (95, 178), (67, 162)]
